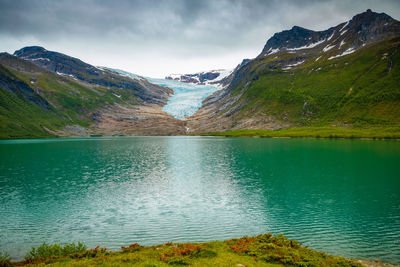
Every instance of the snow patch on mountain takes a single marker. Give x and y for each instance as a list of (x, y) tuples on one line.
[(203, 78), (272, 51), (344, 26), (346, 52), (223, 74), (64, 74), (288, 67), (307, 46), (328, 47), (123, 73), (39, 58)]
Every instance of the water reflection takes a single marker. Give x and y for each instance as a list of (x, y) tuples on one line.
[(206, 193)]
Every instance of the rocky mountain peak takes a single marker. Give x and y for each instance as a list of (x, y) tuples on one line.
[(29, 51), (297, 36), (362, 29), (57, 62), (370, 19)]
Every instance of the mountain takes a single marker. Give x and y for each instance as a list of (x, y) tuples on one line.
[(215, 77), (45, 93), (363, 29), (64, 65), (346, 76)]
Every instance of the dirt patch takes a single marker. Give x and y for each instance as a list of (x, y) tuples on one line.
[(219, 113), (137, 120)]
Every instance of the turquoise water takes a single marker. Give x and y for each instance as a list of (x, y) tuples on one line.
[(338, 196)]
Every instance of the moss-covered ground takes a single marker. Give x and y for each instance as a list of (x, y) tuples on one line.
[(262, 250)]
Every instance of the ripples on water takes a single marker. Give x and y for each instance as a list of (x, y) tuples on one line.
[(341, 197)]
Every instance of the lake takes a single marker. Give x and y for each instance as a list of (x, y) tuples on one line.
[(338, 196)]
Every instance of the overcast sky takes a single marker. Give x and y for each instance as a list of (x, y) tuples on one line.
[(156, 38)]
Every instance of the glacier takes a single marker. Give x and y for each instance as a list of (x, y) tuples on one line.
[(187, 98)]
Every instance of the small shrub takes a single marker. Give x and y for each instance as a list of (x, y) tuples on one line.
[(55, 250), (91, 253), (180, 254), (279, 249), (5, 260), (133, 247), (241, 245)]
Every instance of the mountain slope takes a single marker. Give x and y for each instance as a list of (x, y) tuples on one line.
[(346, 76), (64, 65), (44, 93)]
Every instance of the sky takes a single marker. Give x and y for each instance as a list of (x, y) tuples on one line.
[(156, 38)]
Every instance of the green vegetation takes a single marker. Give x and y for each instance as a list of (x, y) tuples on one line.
[(318, 132), (357, 90), (55, 250), (70, 103), (262, 250), (21, 119), (359, 93), (5, 260)]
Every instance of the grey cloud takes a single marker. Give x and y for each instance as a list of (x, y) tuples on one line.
[(159, 19), (180, 28)]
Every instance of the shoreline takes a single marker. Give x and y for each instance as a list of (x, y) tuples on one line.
[(372, 133), (261, 250)]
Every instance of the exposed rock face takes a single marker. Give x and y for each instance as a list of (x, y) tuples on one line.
[(18, 87), (217, 115), (207, 77), (295, 37), (371, 27), (361, 30), (57, 62)]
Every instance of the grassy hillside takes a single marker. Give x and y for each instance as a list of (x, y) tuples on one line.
[(361, 89), (70, 103), (262, 250), (33, 100), (45, 93)]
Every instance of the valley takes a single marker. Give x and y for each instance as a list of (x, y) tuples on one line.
[(345, 77)]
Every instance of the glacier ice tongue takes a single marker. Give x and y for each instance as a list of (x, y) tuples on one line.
[(187, 98)]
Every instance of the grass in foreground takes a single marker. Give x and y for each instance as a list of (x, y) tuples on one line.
[(318, 132), (262, 250)]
